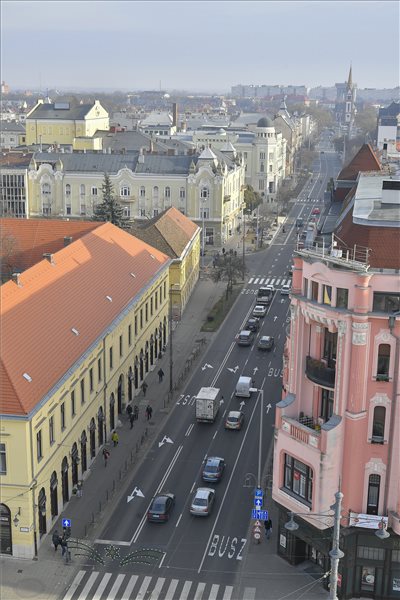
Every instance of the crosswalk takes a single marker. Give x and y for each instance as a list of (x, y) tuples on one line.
[(275, 281), (309, 200), (111, 586)]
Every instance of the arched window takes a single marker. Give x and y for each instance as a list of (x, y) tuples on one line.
[(382, 373), (374, 483), (155, 192), (378, 425), (68, 190), (125, 191), (142, 192), (168, 192), (82, 189), (182, 193), (46, 190), (205, 192)]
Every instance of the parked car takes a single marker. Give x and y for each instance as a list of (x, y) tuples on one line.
[(259, 311), (253, 324), (161, 507), (234, 420), (245, 338), (266, 342), (213, 468), (285, 290), (202, 502)]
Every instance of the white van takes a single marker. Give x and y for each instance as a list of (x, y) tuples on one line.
[(243, 387)]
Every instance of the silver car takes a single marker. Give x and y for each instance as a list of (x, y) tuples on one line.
[(259, 310), (203, 501)]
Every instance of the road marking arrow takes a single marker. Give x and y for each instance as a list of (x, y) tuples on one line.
[(165, 440), (255, 370), (243, 403), (275, 318), (268, 408), (221, 401), (206, 366), (136, 492)]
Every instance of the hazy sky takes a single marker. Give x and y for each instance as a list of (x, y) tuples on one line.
[(198, 46)]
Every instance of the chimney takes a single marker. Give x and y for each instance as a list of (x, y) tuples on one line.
[(16, 278), (175, 114), (49, 256), (67, 240), (151, 147), (141, 157)]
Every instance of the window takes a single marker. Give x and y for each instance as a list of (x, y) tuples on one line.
[(127, 212), (305, 287), (155, 192), (261, 184), (374, 483), (142, 192), (62, 416), (130, 335), (111, 358), (39, 447), (155, 212), (135, 326), (168, 192), (68, 190), (314, 291), (271, 187), (370, 553), (342, 298), (262, 155), (82, 189), (94, 191), (204, 192), (156, 299), (142, 212), (330, 347), (151, 307), (204, 213), (146, 312), (46, 190), (327, 294), (51, 430), (326, 406), (91, 379), (262, 167), (367, 579), (382, 373), (83, 209), (82, 391), (298, 479), (165, 287), (3, 462), (99, 369), (141, 318), (386, 302), (378, 425), (270, 168), (182, 193), (121, 348), (73, 404), (125, 191), (244, 154), (68, 209)]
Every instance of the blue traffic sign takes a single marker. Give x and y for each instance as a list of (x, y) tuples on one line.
[(66, 522), (261, 515), (258, 502), (258, 493)]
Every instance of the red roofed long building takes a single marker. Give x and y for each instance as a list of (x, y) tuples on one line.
[(80, 330)]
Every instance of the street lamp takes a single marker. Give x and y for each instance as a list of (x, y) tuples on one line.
[(261, 396), (335, 553)]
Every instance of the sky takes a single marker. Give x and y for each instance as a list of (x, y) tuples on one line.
[(197, 46)]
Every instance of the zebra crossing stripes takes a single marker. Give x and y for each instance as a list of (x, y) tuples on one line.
[(268, 281), (112, 586)]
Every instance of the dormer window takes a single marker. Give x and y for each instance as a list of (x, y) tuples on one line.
[(205, 192)]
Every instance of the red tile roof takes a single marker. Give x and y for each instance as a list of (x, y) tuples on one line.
[(364, 160), (29, 239), (38, 315)]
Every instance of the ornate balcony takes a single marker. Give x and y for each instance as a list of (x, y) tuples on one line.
[(318, 372)]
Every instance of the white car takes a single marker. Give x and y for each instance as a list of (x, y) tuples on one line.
[(259, 311), (286, 289), (203, 501)]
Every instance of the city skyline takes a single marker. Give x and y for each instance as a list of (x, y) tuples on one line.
[(196, 46)]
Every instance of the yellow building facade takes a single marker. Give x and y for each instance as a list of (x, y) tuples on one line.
[(60, 123), (59, 407)]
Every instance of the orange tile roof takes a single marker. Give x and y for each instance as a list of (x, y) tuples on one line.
[(364, 160), (31, 238), (37, 316)]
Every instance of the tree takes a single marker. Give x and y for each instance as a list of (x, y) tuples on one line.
[(252, 199), (110, 209), (8, 261), (228, 266)]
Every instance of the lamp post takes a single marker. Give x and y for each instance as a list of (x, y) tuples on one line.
[(335, 553), (171, 362), (261, 396)]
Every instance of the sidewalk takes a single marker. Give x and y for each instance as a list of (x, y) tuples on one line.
[(46, 576)]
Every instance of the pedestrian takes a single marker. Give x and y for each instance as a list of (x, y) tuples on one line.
[(56, 539), (106, 456), (129, 410), (268, 528), (144, 387), (131, 419), (79, 488), (160, 375), (149, 412), (64, 548), (115, 438), (136, 412)]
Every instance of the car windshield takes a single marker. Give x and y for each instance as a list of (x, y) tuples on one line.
[(233, 419), (200, 501), (159, 505)]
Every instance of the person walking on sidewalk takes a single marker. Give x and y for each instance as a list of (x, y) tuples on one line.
[(56, 539), (160, 375), (144, 387), (64, 548), (115, 438), (129, 411), (268, 528), (131, 419), (149, 412), (136, 412), (106, 456)]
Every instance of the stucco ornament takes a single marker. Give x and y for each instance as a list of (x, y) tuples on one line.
[(360, 334)]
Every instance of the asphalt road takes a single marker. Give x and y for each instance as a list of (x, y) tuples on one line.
[(210, 550)]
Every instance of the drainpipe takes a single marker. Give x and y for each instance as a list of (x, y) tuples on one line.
[(32, 489), (105, 391), (393, 412)]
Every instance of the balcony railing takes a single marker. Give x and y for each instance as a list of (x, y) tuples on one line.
[(318, 372), (301, 432)]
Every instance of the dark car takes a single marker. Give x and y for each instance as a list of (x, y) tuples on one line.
[(213, 468), (266, 342), (253, 324), (161, 507)]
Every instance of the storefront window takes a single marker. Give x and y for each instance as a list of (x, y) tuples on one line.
[(367, 579), (298, 478)]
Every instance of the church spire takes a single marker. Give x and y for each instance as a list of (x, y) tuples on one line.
[(350, 79)]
